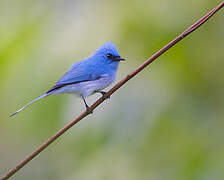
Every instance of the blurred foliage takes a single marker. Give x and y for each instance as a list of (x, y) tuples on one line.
[(166, 123)]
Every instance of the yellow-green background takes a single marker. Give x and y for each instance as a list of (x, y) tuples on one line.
[(167, 123)]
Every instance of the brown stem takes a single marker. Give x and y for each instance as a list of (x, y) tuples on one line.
[(111, 91)]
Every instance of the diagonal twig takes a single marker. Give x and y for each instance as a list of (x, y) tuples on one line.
[(111, 91)]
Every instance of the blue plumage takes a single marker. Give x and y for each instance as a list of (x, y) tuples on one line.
[(87, 76)]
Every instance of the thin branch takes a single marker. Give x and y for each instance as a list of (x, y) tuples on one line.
[(111, 91)]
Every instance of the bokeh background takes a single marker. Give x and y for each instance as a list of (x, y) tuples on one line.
[(166, 123)]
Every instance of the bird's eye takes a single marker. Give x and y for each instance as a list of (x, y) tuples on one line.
[(110, 56)]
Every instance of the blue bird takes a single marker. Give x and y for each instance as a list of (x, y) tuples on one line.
[(87, 76)]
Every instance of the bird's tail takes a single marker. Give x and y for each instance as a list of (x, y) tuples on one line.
[(24, 107)]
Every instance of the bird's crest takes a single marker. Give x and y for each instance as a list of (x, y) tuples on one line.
[(107, 47)]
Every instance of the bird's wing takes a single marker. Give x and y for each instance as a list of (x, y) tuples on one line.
[(76, 74)]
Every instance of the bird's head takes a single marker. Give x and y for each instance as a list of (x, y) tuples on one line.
[(109, 53)]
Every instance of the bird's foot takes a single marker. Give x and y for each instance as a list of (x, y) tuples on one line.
[(88, 110), (87, 107), (103, 94)]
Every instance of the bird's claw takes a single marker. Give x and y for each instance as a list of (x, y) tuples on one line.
[(103, 94), (88, 110)]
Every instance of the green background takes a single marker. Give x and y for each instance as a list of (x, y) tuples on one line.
[(166, 123)]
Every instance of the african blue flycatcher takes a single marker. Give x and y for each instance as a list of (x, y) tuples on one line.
[(88, 76)]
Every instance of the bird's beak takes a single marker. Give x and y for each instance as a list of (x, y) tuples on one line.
[(118, 58)]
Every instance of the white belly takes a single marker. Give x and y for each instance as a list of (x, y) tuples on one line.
[(85, 89)]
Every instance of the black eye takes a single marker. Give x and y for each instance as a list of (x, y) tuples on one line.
[(110, 56)]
